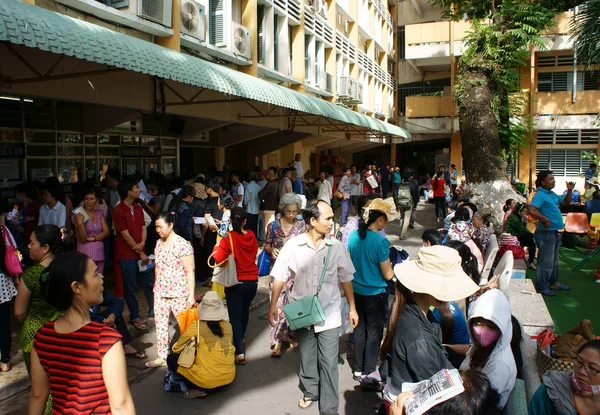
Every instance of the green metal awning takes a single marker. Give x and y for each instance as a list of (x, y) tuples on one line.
[(35, 27)]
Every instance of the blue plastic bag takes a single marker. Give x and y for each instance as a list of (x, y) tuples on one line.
[(264, 263)]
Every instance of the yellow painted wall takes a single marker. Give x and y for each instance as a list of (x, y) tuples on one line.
[(588, 102), (425, 106)]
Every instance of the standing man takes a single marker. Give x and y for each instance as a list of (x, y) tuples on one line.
[(130, 239), (297, 165), (325, 190), (453, 180), (544, 208), (445, 172), (262, 182), (269, 197), (384, 174), (356, 186), (252, 202), (345, 187), (113, 177), (397, 180), (304, 258), (237, 188), (285, 185)]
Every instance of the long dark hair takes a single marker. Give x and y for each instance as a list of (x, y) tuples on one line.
[(507, 204), (519, 207), (468, 261), (215, 327), (447, 322), (49, 235), (364, 226), (238, 217), (402, 296)]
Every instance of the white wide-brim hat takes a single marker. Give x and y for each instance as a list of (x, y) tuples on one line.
[(437, 272), (211, 308)]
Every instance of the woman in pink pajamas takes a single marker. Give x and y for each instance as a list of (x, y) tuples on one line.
[(91, 227), (174, 282)]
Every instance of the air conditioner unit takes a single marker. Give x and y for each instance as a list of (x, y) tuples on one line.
[(158, 11), (352, 89), (317, 5), (342, 86), (240, 40), (359, 93), (193, 20)]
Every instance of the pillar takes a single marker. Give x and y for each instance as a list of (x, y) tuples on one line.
[(298, 52), (250, 20), (456, 153), (219, 157), (393, 155), (173, 42)]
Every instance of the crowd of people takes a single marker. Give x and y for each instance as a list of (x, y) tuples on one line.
[(170, 235)]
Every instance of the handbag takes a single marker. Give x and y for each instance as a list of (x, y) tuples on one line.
[(188, 354), (225, 273), (187, 318), (307, 311), (264, 259), (12, 262)]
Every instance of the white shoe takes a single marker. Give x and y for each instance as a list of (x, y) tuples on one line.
[(156, 363)]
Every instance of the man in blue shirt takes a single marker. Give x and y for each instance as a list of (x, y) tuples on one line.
[(590, 175), (544, 208)]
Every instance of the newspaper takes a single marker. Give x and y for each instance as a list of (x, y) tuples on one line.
[(442, 386)]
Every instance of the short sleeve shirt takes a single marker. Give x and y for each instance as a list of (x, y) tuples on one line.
[(305, 263), (212, 208), (460, 332), (130, 219), (366, 256), (171, 277), (546, 201)]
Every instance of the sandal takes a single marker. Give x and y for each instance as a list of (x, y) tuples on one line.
[(137, 355), (276, 352), (5, 367), (194, 393), (138, 324), (293, 345), (531, 266), (240, 360), (156, 363), (306, 403)]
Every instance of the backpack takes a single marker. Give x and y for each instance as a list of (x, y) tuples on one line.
[(404, 198), (174, 201)]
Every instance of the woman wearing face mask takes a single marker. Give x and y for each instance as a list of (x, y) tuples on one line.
[(490, 327), (574, 392), (412, 346), (96, 368), (370, 253)]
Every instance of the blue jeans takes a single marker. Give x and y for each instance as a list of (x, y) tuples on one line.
[(239, 298), (297, 186), (547, 264), (345, 211), (131, 273)]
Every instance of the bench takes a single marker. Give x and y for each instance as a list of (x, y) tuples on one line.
[(519, 269), (517, 401)]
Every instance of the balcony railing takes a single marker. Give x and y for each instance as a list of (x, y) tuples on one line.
[(428, 106), (560, 103)]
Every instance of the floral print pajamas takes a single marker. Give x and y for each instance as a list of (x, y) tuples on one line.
[(163, 307)]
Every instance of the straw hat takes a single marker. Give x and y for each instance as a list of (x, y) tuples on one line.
[(200, 191), (383, 206), (437, 272), (211, 308)]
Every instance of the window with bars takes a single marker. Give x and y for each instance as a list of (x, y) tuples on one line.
[(566, 162), (587, 136), (555, 60), (563, 81)]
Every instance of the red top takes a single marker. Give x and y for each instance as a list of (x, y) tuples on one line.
[(73, 363), (132, 220), (438, 187), (245, 248)]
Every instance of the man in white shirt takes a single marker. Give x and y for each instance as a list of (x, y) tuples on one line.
[(52, 211), (285, 184), (252, 204), (304, 258), (262, 182), (237, 188), (325, 190)]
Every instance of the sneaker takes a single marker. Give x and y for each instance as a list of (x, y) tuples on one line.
[(156, 363), (357, 376)]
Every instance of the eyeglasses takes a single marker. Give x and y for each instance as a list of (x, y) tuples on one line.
[(577, 364), (291, 212)]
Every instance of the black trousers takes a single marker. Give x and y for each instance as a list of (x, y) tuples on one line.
[(527, 239), (252, 223), (5, 337), (368, 334), (239, 298), (440, 206)]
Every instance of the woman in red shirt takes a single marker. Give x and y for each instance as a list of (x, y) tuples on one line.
[(239, 297), (90, 353), (439, 195)]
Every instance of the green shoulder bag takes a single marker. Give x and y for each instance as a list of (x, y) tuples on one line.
[(307, 311)]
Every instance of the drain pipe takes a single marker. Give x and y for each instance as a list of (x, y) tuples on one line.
[(574, 95)]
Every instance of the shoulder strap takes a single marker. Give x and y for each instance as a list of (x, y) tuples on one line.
[(231, 243), (324, 269)]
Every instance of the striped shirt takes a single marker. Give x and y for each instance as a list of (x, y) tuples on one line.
[(73, 363)]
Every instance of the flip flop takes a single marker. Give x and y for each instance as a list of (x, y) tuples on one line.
[(308, 401), (276, 353), (138, 324), (561, 287), (195, 393), (547, 293), (137, 355)]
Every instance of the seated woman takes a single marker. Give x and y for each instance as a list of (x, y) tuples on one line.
[(214, 365), (461, 228), (516, 225), (455, 335), (110, 312), (481, 233), (573, 392), (490, 327)]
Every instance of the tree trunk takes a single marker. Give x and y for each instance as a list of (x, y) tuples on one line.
[(481, 144)]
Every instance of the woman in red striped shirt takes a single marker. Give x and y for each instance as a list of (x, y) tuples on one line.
[(80, 361)]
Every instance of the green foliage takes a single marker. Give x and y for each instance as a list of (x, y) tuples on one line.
[(586, 33), (498, 47)]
